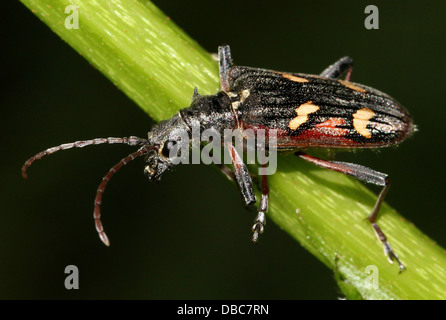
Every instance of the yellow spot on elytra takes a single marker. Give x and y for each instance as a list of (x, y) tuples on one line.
[(352, 86), (245, 94), (294, 78), (231, 94), (302, 114), (361, 119)]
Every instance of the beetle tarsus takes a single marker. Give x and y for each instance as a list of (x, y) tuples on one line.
[(392, 256), (258, 227)]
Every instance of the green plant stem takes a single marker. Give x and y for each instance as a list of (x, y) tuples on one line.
[(150, 59)]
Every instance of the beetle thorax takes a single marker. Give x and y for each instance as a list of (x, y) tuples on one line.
[(210, 112)]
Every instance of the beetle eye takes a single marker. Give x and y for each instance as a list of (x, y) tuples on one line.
[(165, 151)]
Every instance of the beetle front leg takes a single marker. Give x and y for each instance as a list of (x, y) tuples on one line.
[(260, 221), (242, 176), (227, 172), (370, 176), (335, 70)]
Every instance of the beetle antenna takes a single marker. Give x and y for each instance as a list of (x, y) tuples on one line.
[(101, 189), (131, 141)]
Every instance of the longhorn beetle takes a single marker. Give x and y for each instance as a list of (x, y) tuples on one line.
[(304, 110)]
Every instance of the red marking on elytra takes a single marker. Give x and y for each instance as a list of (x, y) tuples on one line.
[(330, 127)]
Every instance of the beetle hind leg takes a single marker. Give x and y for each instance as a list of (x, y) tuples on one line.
[(391, 255), (368, 175)]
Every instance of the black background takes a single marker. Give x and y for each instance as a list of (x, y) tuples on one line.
[(188, 237)]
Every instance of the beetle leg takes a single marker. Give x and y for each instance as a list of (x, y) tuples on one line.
[(335, 70), (242, 176), (231, 175), (227, 172), (195, 95), (260, 220), (225, 63), (368, 175), (381, 236)]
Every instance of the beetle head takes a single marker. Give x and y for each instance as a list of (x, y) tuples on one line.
[(168, 138)]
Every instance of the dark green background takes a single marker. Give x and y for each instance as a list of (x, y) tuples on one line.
[(188, 237)]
